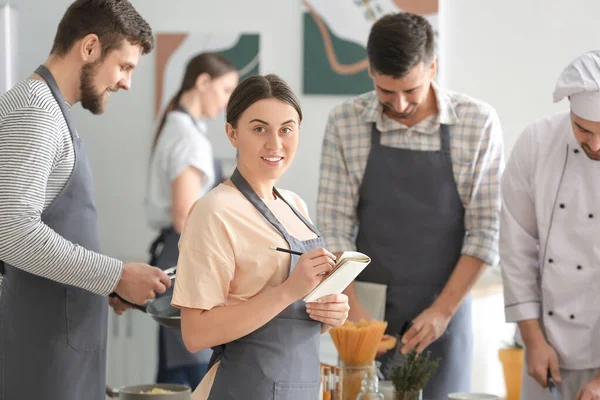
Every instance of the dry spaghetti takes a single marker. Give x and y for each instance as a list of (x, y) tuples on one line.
[(357, 342)]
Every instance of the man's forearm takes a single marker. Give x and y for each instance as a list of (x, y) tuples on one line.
[(531, 331), (465, 275)]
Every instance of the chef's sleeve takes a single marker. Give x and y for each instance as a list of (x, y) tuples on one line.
[(518, 232)]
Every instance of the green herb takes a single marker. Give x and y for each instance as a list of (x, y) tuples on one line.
[(512, 344), (414, 373)]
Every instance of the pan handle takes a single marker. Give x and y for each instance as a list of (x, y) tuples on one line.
[(142, 308), (171, 272), (112, 393)]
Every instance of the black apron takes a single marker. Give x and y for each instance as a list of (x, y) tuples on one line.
[(279, 360), (53, 336), (413, 231), (164, 253)]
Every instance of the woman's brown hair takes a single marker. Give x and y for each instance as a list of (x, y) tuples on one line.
[(259, 87)]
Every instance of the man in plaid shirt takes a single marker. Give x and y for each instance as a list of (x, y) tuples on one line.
[(410, 176)]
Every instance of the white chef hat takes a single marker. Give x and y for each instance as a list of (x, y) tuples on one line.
[(581, 81)]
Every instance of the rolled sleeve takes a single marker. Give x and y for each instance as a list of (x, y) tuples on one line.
[(336, 200), (482, 220)]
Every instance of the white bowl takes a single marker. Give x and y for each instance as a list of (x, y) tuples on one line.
[(472, 396)]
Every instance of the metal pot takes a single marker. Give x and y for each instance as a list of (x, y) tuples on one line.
[(137, 392)]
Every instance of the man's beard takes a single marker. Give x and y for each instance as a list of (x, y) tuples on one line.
[(592, 155), (90, 99), (389, 110)]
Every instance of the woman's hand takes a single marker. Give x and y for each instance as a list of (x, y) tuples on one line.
[(331, 310), (308, 272)]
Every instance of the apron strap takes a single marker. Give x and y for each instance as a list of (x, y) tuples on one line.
[(445, 138), (47, 75), (157, 242), (299, 214), (53, 86), (375, 135), (243, 186)]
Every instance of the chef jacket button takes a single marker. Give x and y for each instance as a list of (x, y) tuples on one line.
[(579, 267), (551, 313), (576, 151), (562, 206), (572, 316), (591, 215), (550, 260)]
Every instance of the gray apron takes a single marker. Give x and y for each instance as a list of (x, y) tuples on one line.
[(280, 360), (172, 350), (413, 230), (53, 336), (164, 253)]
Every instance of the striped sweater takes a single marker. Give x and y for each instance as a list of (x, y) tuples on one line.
[(36, 161)]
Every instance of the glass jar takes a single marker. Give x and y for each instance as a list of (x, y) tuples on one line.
[(387, 389), (352, 378), (409, 395), (370, 388)]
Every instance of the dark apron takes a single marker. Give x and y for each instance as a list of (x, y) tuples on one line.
[(164, 253), (413, 231), (53, 336), (279, 360)]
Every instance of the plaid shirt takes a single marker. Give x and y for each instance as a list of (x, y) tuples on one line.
[(477, 160)]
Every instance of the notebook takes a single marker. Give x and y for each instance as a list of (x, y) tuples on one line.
[(347, 268)]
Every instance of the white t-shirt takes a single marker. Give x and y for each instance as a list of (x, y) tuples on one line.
[(182, 143)]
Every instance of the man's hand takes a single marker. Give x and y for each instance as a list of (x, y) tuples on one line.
[(388, 343), (591, 391), (142, 282), (118, 305), (425, 329), (541, 357)]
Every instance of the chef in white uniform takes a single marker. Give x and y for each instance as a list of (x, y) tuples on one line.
[(550, 240)]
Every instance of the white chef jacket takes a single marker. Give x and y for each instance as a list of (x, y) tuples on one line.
[(550, 239)]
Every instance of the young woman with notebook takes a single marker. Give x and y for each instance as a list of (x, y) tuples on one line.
[(237, 295)]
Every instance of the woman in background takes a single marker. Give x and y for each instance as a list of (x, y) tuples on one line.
[(182, 169), (235, 294)]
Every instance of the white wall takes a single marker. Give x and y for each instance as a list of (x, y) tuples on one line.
[(508, 53), (511, 52)]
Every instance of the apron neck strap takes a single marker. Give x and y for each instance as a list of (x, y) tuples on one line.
[(375, 135), (298, 214), (445, 138), (243, 186), (51, 82)]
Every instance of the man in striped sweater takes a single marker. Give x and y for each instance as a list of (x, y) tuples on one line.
[(54, 307)]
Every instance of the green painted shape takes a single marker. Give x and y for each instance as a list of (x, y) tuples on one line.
[(319, 78), (243, 52)]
